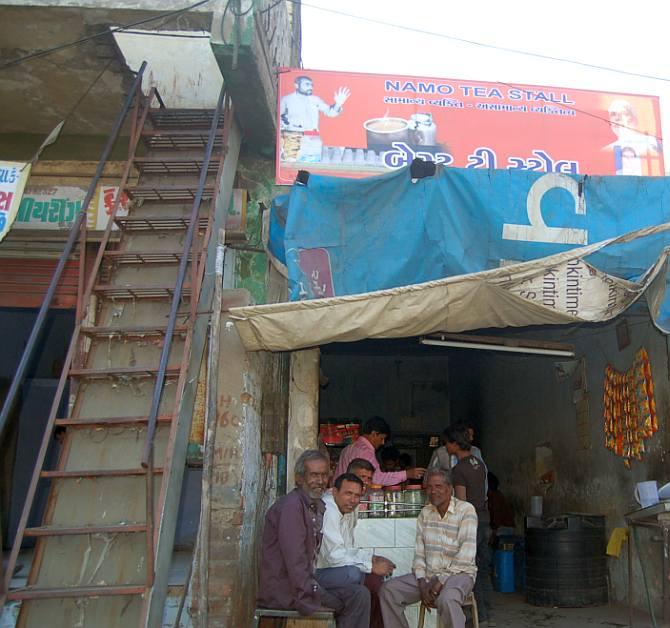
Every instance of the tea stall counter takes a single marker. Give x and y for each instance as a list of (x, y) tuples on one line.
[(394, 539)]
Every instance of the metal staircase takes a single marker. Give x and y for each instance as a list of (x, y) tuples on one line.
[(94, 559)]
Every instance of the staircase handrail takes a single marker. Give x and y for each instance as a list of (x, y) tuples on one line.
[(147, 457), (38, 326), (134, 92)]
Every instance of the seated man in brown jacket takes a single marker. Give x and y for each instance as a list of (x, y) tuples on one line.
[(290, 546)]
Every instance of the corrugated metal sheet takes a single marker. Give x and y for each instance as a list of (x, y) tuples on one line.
[(23, 283)]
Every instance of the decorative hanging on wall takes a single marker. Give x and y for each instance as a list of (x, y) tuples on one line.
[(630, 409)]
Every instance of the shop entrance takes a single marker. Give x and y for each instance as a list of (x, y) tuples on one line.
[(539, 422), (21, 441)]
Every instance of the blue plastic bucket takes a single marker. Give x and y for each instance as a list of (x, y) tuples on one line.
[(504, 571)]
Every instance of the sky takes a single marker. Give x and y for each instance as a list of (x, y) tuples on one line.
[(609, 33)]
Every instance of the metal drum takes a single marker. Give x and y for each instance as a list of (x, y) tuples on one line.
[(566, 565)]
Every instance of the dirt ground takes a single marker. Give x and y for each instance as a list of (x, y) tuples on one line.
[(511, 611)]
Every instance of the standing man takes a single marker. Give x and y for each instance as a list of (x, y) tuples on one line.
[(443, 572), (299, 111), (290, 546), (375, 433), (469, 478)]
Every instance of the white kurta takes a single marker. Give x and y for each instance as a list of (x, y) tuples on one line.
[(337, 545)]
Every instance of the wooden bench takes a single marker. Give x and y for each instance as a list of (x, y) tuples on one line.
[(469, 601), (320, 619)]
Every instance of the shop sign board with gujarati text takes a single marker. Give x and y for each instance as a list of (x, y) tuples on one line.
[(13, 178), (360, 125)]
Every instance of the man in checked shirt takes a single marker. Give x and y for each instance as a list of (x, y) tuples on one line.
[(443, 572)]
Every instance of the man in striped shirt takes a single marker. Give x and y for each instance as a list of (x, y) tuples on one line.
[(444, 568)]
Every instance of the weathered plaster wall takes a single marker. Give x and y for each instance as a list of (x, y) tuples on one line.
[(251, 266), (235, 494), (303, 407), (249, 48), (22, 146), (244, 476), (519, 403), (394, 387)]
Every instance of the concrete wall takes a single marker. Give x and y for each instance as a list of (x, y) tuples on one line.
[(251, 264), (395, 387), (243, 484), (180, 64), (519, 403), (234, 485)]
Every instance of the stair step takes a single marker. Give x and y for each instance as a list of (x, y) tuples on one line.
[(136, 371), (140, 291), (157, 223), (114, 421), (135, 331), (128, 528), (176, 165), (180, 139), (144, 257), (183, 118), (168, 193), (97, 473), (38, 593)]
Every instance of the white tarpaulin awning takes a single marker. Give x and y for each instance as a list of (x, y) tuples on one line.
[(559, 289)]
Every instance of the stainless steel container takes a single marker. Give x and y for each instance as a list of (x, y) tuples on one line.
[(423, 130)]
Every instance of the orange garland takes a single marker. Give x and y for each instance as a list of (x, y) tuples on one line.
[(630, 409)]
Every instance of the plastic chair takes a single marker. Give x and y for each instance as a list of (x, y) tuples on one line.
[(469, 601)]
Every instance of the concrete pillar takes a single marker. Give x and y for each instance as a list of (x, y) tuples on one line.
[(303, 407)]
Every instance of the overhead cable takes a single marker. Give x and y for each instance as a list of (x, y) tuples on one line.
[(479, 43)]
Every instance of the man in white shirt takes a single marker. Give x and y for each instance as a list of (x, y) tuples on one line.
[(339, 560), (299, 111)]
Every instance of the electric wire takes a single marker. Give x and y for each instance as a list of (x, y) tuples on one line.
[(481, 44), (117, 29), (87, 91), (501, 48), (228, 7)]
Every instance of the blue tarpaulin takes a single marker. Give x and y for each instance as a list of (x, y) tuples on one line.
[(341, 236)]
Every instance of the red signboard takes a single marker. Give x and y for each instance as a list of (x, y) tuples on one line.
[(358, 125)]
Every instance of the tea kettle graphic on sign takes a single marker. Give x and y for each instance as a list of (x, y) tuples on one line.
[(422, 129)]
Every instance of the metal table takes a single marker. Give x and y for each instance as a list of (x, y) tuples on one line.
[(658, 517)]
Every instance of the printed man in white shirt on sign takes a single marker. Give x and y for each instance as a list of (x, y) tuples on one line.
[(340, 562), (444, 570), (300, 110)]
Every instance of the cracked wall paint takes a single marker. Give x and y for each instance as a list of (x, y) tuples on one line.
[(257, 177), (518, 403)]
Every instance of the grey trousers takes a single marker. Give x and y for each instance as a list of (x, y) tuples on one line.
[(338, 576), (351, 604), (397, 593)]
